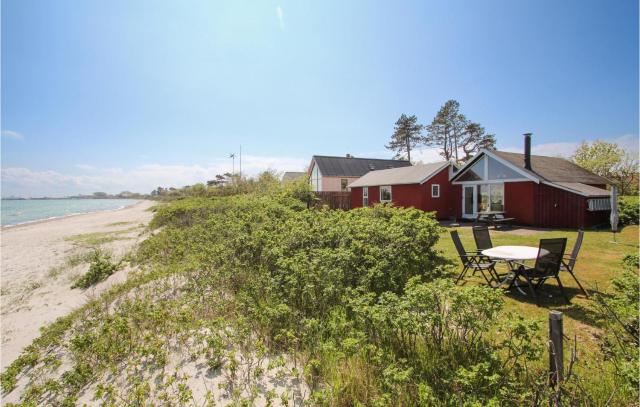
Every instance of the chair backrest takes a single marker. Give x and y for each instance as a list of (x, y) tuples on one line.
[(459, 247), (482, 237), (576, 249), (548, 264)]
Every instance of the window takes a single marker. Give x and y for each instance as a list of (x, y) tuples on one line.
[(343, 184), (365, 196), (316, 179), (435, 191), (475, 172), (599, 204), (385, 193), (491, 197), (497, 171)]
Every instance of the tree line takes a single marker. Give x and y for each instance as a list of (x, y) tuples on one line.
[(456, 137)]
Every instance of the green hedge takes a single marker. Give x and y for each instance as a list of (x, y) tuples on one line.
[(629, 207)]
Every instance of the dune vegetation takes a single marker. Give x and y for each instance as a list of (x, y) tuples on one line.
[(251, 298)]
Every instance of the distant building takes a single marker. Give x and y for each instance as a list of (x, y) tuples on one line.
[(327, 173), (293, 176)]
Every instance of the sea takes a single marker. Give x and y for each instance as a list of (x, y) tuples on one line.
[(15, 212)]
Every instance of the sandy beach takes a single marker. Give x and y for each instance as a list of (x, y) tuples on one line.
[(41, 260)]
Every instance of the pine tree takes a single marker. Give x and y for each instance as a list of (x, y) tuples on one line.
[(407, 134)]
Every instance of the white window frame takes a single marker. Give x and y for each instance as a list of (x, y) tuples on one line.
[(365, 196), (390, 193), (435, 195)]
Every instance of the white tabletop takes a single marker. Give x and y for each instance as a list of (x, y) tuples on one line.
[(514, 252)]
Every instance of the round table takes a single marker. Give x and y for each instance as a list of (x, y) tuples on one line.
[(513, 252)]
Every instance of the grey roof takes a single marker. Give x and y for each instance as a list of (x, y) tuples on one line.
[(415, 174), (553, 169), (292, 176), (583, 189), (354, 167)]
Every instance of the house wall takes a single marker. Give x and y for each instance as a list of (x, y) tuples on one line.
[(415, 195), (520, 201), (334, 183), (558, 208)]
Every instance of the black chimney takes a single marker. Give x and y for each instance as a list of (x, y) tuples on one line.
[(527, 151)]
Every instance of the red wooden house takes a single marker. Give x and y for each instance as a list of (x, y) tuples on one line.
[(536, 190), (423, 186)]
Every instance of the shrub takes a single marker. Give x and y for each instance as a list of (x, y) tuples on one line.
[(100, 268), (619, 312), (629, 208)]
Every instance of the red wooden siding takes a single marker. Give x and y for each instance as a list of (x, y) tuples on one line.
[(415, 195), (520, 201), (557, 208)]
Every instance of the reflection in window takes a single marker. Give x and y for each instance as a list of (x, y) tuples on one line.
[(385, 193), (491, 197), (475, 172), (343, 184), (497, 170)]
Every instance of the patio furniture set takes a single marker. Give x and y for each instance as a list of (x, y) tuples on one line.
[(549, 260)]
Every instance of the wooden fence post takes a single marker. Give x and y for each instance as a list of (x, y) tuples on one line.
[(556, 361)]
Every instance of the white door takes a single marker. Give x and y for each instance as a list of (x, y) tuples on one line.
[(469, 199)]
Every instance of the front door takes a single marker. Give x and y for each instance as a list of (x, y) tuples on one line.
[(469, 200)]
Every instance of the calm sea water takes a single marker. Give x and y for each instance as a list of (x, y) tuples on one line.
[(21, 211)]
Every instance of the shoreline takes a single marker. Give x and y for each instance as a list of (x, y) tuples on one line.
[(42, 259), (71, 215)]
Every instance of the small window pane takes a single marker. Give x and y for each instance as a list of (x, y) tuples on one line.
[(483, 198), (385, 194), (475, 173), (497, 197), (343, 184), (497, 170), (435, 191)]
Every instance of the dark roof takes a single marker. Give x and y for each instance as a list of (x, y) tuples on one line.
[(354, 167), (553, 169), (292, 176)]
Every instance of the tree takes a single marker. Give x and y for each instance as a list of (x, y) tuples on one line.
[(611, 161), (474, 139), (454, 134), (406, 136), (600, 157)]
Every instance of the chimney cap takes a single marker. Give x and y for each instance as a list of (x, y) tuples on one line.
[(528, 134)]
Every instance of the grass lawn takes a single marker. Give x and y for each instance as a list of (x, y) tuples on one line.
[(598, 262)]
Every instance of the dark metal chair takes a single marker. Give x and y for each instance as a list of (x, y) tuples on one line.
[(471, 261), (547, 266), (569, 262), (482, 237)]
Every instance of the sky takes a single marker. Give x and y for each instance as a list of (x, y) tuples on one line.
[(134, 94)]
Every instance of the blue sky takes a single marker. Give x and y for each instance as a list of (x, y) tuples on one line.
[(123, 94)]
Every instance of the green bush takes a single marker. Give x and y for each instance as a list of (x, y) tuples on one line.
[(629, 208), (619, 313), (100, 268)]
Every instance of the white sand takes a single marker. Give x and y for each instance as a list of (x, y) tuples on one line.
[(36, 278)]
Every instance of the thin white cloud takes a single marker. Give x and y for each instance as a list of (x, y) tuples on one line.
[(19, 181), (85, 167), (12, 134), (628, 142), (280, 15)]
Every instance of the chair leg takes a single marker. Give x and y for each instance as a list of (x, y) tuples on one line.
[(562, 290), (485, 276), (578, 282), (464, 271), (532, 290)]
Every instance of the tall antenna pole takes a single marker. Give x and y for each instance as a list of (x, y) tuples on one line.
[(240, 161)]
